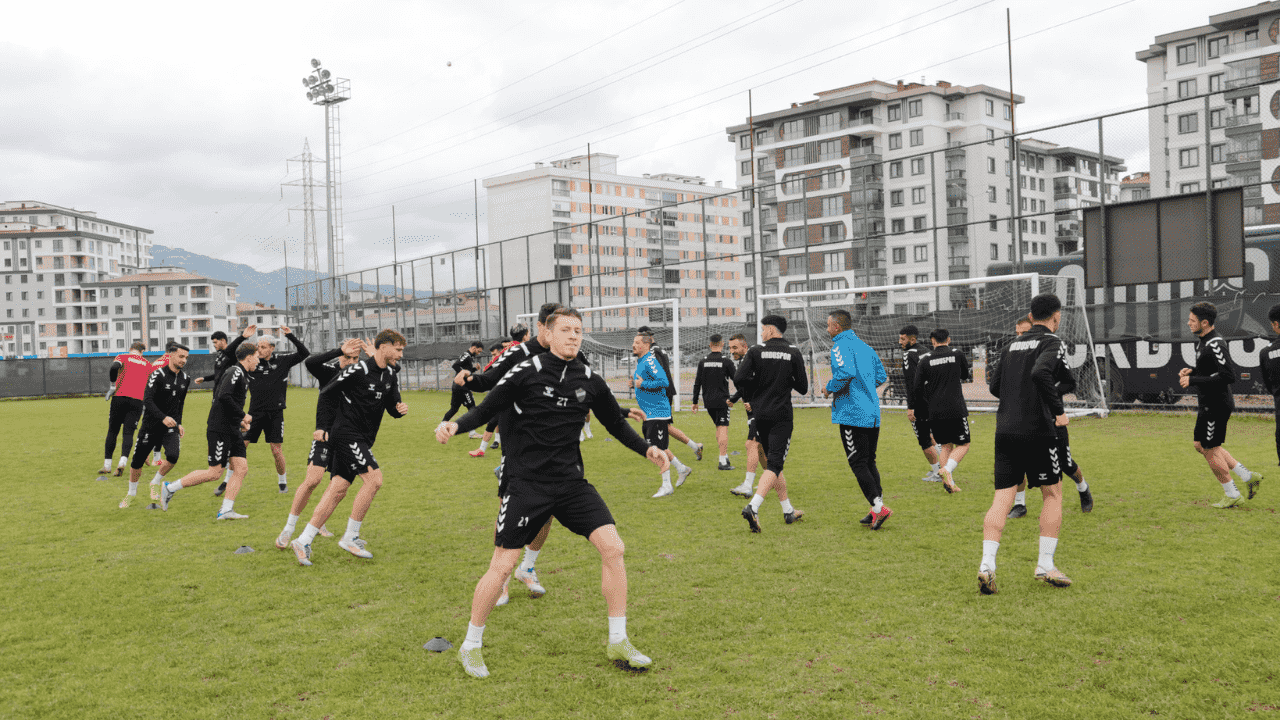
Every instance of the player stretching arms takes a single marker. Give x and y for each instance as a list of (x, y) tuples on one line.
[(938, 389), (129, 372), (738, 348), (269, 384), (651, 385), (366, 389), (912, 349), (770, 372), (545, 477), (1025, 445), (856, 372), (227, 419), (326, 408), (460, 396), (224, 358), (1212, 377), (714, 373), (162, 424)]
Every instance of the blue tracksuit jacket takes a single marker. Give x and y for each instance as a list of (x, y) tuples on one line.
[(652, 393), (856, 371)]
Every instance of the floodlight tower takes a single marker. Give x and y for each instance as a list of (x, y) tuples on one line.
[(322, 90)]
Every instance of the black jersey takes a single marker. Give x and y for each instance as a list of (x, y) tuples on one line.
[(223, 359), (269, 383), (1024, 380), (466, 362), (770, 372), (228, 401), (165, 395), (1271, 367), (910, 361), (365, 391), (324, 373), (712, 379), (1213, 374), (939, 379), (513, 356), (544, 400)]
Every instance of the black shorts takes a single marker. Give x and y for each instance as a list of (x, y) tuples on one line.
[(1035, 458), (223, 447), (153, 437), (1069, 466), (1211, 427), (462, 396), (775, 439), (751, 428), (528, 505), (920, 426), (719, 416), (953, 431), (125, 411), (493, 425), (655, 431), (270, 422), (351, 457), (320, 454)]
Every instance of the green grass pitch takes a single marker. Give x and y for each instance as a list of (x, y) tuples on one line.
[(114, 613)]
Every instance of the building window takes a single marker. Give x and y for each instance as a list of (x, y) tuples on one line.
[(895, 113), (898, 226), (832, 262), (1189, 187), (918, 224), (832, 206), (829, 150), (1186, 53), (1217, 153), (744, 142), (895, 198), (991, 166), (791, 128), (917, 137), (991, 108), (828, 122), (917, 166), (1216, 118), (1189, 157), (995, 249), (1215, 46), (794, 156), (991, 193), (745, 168), (1186, 88), (917, 196), (895, 141), (833, 233), (899, 256), (895, 169), (899, 279), (915, 108), (1215, 83), (922, 278), (920, 253), (1008, 112)]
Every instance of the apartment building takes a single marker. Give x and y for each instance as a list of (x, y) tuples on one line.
[(1055, 184), (880, 183), (646, 237), (1228, 56), (178, 305), (49, 252), (268, 318)]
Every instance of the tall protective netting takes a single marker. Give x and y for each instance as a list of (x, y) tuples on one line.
[(979, 314)]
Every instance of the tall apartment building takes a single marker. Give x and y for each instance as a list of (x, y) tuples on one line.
[(1233, 51), (1058, 181), (888, 166), (178, 305), (571, 210), (268, 318), (49, 253)]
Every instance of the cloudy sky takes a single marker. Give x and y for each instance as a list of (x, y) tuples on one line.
[(179, 116)]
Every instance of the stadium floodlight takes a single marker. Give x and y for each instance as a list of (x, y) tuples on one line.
[(315, 63), (324, 74), (306, 82)]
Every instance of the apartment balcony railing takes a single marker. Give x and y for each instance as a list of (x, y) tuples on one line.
[(864, 120), (953, 116), (864, 150), (1239, 47), (958, 261), (1244, 155), (1253, 193), (1242, 119), (1242, 80), (955, 175)]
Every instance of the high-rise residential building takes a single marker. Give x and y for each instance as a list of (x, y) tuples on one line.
[(1229, 56), (881, 183), (643, 238), (1058, 182), (49, 253), (169, 302)]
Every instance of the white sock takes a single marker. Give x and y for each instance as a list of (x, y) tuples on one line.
[(1047, 546), (106, 464), (123, 459), (1020, 498), (1229, 487), (133, 487), (155, 455), (692, 445), (308, 534), (497, 438), (586, 427), (617, 629), (989, 548), (475, 637), (935, 466), (877, 506), (290, 524), (751, 479), (786, 506), (484, 445), (284, 478), (530, 555), (951, 465), (226, 476), (353, 530), (174, 486), (227, 506), (666, 478), (756, 502), (1242, 472), (679, 466), (157, 479), (724, 459), (1082, 486)]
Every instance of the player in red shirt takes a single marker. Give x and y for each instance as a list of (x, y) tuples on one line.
[(129, 373)]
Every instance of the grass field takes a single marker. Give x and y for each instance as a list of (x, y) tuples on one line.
[(114, 613)]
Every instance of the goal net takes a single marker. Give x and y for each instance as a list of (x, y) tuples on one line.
[(979, 314)]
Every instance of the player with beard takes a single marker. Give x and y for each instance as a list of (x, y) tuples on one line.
[(738, 349), (856, 372), (460, 396), (714, 373), (164, 398), (651, 386), (224, 357), (269, 386), (912, 349), (665, 361)]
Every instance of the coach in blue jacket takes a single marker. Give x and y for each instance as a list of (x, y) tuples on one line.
[(856, 372), (651, 383)]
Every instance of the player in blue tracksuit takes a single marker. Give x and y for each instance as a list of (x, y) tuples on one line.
[(856, 372), (651, 383)]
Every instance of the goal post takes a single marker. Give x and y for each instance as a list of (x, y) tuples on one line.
[(979, 314)]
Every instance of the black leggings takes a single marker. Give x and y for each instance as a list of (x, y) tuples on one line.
[(125, 413), (860, 450)]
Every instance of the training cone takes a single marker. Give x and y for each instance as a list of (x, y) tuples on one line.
[(438, 644)]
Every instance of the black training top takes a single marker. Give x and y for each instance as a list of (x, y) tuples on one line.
[(769, 372), (1025, 382), (547, 397), (366, 390), (466, 362), (1213, 374), (270, 382), (714, 373), (1271, 367), (228, 401), (910, 361), (225, 358), (326, 405), (939, 382), (165, 395), (513, 356)]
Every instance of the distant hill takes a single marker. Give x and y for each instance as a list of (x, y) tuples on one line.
[(255, 286)]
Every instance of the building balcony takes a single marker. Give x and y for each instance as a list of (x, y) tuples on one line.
[(955, 149), (953, 117), (1233, 48), (1237, 156), (1242, 120), (863, 120), (1241, 81), (958, 261), (956, 175), (1253, 193), (863, 151)]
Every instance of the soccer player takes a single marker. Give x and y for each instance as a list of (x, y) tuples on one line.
[(665, 361), (938, 390), (714, 373), (460, 396), (269, 385), (1212, 377), (163, 399), (1025, 444), (856, 372), (224, 357), (770, 372), (651, 386), (227, 419), (156, 364), (326, 408), (1271, 368), (129, 372), (519, 334), (367, 389), (912, 349), (545, 477), (738, 349)]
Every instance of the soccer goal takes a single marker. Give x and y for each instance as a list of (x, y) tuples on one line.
[(979, 314)]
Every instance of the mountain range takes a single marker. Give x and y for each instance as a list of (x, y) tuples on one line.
[(255, 286)]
